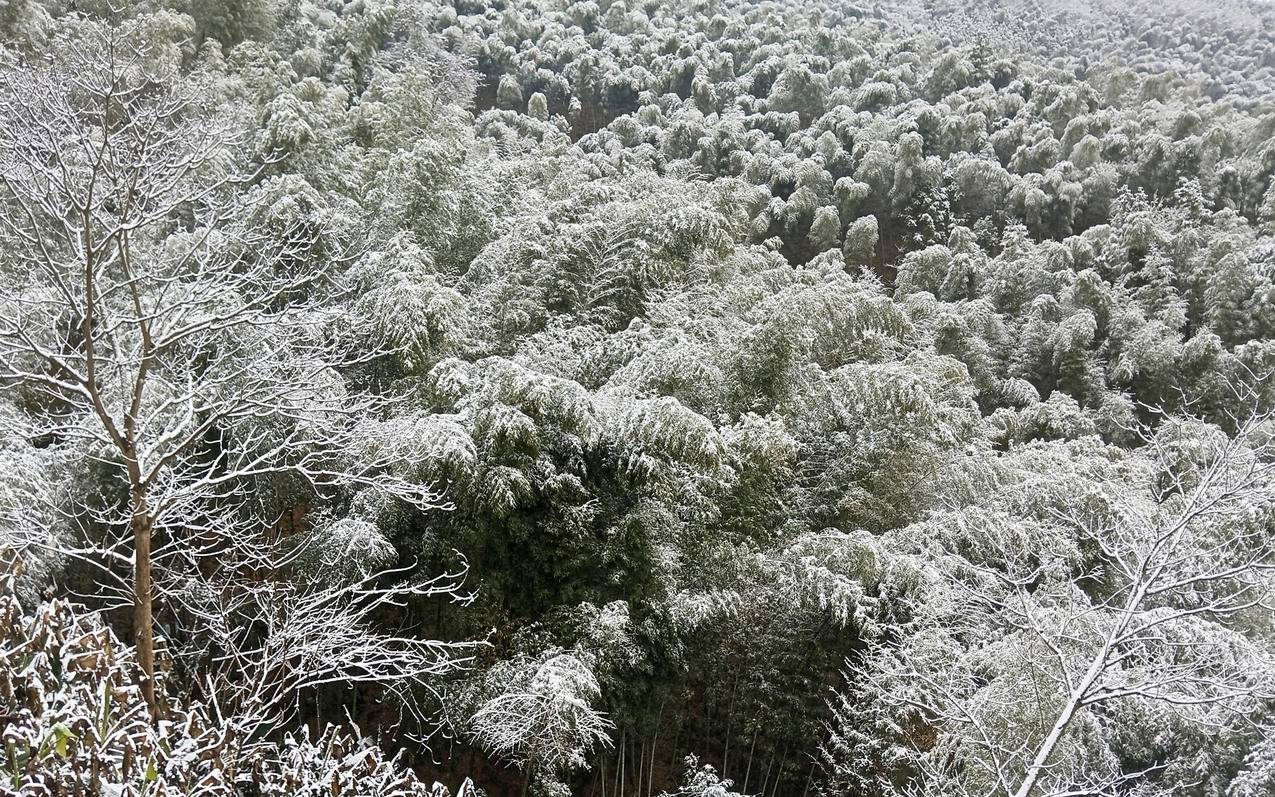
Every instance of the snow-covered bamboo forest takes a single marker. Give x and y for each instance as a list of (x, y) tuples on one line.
[(616, 398)]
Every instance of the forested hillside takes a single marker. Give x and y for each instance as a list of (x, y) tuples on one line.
[(620, 398)]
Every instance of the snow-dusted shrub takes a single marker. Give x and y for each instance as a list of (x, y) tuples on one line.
[(75, 723), (702, 781)]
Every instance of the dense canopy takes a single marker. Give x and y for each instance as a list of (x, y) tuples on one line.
[(778, 397)]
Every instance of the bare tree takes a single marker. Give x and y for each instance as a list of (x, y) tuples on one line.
[(155, 318), (1028, 651)]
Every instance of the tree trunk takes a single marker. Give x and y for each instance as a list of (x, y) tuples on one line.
[(783, 761), (655, 738), (1041, 761), (677, 737), (730, 716), (637, 789), (619, 753), (1076, 700), (143, 590), (770, 763)]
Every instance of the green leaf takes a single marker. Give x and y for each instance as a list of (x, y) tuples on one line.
[(61, 738), (104, 718)]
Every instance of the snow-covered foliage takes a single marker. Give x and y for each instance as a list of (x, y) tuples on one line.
[(859, 397), (540, 716), (76, 723), (702, 781)]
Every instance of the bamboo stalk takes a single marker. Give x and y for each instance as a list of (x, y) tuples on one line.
[(641, 757), (650, 780), (809, 777), (783, 761), (730, 716)]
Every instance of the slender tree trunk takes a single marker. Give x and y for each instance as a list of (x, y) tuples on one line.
[(707, 729), (783, 761), (730, 716), (677, 737), (1056, 733), (143, 591), (615, 790), (770, 763), (655, 738), (637, 790), (1076, 699), (749, 770)]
